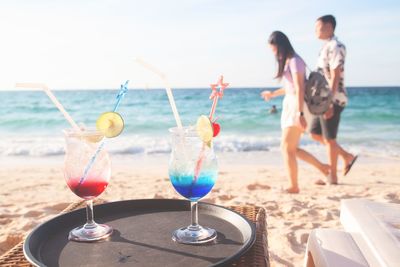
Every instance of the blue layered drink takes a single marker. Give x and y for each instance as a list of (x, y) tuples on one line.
[(188, 187)]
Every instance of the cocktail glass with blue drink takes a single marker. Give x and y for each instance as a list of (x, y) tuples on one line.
[(190, 181)]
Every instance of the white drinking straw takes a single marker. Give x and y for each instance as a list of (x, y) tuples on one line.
[(167, 88), (53, 99)]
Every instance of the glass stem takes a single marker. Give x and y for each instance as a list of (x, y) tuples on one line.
[(89, 215), (194, 213)]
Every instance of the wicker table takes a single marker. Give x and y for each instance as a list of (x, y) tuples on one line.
[(257, 256)]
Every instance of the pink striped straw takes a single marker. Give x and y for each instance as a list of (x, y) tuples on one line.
[(217, 92)]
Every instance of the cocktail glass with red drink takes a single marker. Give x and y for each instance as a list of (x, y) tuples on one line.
[(80, 147)]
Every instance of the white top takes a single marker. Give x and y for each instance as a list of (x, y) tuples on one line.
[(295, 65), (332, 56)]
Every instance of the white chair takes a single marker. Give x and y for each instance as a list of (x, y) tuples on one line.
[(332, 248), (375, 227)]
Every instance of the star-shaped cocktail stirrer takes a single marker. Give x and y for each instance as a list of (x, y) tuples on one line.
[(218, 88), (217, 92)]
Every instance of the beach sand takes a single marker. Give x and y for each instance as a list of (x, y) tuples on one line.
[(34, 190)]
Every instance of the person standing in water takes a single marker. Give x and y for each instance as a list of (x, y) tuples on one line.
[(273, 110)]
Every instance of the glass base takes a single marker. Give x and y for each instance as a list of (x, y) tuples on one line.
[(90, 233), (194, 235)]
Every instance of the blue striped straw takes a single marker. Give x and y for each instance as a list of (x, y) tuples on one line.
[(121, 94)]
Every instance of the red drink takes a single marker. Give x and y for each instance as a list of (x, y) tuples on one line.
[(89, 189)]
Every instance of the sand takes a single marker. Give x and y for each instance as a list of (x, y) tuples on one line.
[(33, 191)]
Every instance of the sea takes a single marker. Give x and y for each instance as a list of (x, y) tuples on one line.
[(30, 125)]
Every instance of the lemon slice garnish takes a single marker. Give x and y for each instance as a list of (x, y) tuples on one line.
[(204, 129), (110, 124)]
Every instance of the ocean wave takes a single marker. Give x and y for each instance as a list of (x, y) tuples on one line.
[(54, 146), (43, 146)]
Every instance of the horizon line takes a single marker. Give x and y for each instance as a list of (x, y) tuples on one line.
[(179, 88)]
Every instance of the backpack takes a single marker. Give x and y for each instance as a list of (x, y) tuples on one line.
[(317, 95)]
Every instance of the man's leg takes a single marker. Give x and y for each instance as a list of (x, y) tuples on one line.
[(332, 149), (316, 135), (329, 129), (346, 156)]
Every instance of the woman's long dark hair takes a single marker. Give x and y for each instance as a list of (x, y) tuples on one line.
[(285, 50)]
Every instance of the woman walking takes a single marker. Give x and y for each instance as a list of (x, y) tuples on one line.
[(291, 69)]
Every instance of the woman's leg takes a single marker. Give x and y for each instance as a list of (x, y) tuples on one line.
[(310, 159), (290, 140)]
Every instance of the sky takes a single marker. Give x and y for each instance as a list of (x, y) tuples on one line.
[(93, 44)]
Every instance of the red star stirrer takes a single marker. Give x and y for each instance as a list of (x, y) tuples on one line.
[(217, 92)]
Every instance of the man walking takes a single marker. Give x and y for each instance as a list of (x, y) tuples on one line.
[(324, 128)]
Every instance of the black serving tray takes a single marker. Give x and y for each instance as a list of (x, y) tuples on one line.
[(142, 236)]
